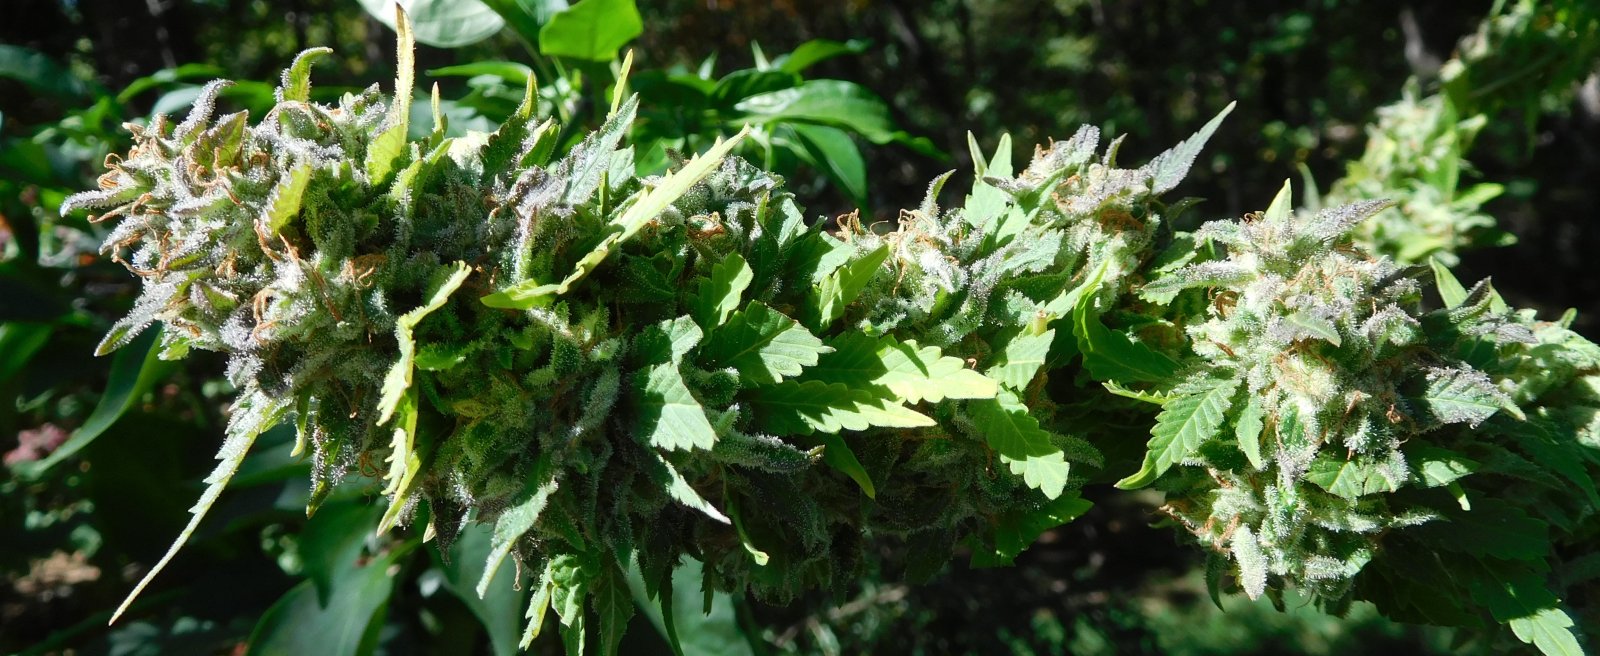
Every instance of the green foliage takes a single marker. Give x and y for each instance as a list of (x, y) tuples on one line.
[(1374, 434), (1416, 151), (600, 374)]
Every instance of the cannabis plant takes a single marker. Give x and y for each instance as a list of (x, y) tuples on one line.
[(1329, 434), (619, 373), (1527, 56)]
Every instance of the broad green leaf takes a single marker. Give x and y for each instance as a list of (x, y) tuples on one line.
[(519, 518), (796, 408), (40, 73), (644, 207), (1025, 447), (714, 632), (591, 30), (333, 540), (1111, 355), (500, 610), (816, 51), (913, 373), (719, 295), (298, 623), (398, 380), (1184, 424), (440, 23), (831, 152), (1018, 361), (841, 104), (827, 301), (389, 146), (743, 83), (669, 415), (252, 415), (1550, 630), (513, 72), (763, 344), (525, 17)]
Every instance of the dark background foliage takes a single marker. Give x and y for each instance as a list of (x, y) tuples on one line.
[(1307, 76)]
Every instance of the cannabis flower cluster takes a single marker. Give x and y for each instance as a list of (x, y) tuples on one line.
[(620, 372)]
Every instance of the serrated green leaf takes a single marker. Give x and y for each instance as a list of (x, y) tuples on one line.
[(253, 414), (1025, 447), (1017, 362), (719, 295), (1516, 595), (405, 461), (1462, 395), (284, 203), (1318, 327), (1110, 355), (398, 380), (1167, 169), (613, 603), (828, 299), (1156, 398), (1184, 424), (913, 373), (538, 607), (678, 488), (1550, 630), (801, 408), (670, 417), (1353, 478), (517, 520), (763, 344)]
